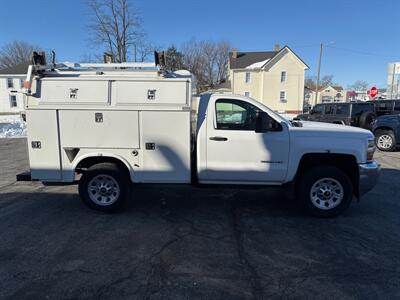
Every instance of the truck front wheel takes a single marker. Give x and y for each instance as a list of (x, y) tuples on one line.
[(104, 187), (325, 191), (385, 140)]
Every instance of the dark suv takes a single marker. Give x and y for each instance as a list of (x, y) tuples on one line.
[(359, 114), (387, 132)]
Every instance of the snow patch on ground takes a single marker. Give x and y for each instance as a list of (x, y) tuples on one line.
[(12, 126)]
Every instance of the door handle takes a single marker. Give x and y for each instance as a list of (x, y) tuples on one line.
[(218, 138)]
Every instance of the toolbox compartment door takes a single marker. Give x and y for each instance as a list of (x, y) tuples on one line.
[(73, 91), (152, 92), (99, 129), (43, 145)]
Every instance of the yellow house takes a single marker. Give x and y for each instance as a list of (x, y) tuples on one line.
[(331, 93), (275, 78)]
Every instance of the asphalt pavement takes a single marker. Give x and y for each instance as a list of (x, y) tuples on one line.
[(184, 242)]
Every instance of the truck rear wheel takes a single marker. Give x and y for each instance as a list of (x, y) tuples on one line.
[(104, 187), (367, 119), (325, 191)]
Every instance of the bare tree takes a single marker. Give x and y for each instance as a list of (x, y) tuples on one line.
[(222, 60), (15, 53), (207, 61), (311, 81), (359, 85), (143, 49), (326, 80), (118, 28)]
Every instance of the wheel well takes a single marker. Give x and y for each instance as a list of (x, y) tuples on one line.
[(383, 128), (340, 122), (345, 162), (91, 161)]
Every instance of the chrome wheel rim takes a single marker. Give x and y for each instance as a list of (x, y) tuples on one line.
[(326, 193), (385, 141), (103, 190)]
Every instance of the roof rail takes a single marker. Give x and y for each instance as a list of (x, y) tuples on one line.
[(125, 65)]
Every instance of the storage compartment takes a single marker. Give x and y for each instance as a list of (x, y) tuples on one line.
[(73, 91), (166, 146), (152, 92), (99, 129), (44, 156)]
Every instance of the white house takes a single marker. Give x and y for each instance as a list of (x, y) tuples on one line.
[(12, 79)]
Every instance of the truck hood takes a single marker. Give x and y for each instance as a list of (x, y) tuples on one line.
[(329, 128)]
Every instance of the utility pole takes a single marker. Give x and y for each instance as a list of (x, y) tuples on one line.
[(394, 70), (319, 72)]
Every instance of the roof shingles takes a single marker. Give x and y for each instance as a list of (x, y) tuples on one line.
[(21, 68), (245, 59)]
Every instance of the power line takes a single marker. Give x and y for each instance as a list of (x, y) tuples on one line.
[(364, 52)]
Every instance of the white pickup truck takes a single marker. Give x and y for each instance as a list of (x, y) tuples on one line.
[(105, 126)]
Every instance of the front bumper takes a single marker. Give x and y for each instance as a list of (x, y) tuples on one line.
[(369, 176)]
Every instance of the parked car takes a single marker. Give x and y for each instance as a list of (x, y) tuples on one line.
[(358, 114), (387, 132)]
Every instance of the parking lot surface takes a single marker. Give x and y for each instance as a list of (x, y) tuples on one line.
[(184, 242)]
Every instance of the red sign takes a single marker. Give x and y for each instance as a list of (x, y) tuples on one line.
[(373, 92)]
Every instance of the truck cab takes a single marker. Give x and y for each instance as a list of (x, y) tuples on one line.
[(239, 142)]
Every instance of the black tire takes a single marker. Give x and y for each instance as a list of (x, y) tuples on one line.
[(112, 192), (366, 120), (311, 177), (385, 140)]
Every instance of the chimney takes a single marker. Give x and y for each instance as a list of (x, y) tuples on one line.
[(277, 47), (234, 53)]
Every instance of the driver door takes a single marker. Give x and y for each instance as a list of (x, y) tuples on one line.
[(236, 153)]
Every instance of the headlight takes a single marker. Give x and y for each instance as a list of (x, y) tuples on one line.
[(371, 150)]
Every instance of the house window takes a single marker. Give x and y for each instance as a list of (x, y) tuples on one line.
[(13, 101), (247, 94), (248, 77), (21, 81), (282, 97), (327, 99), (283, 76), (10, 83)]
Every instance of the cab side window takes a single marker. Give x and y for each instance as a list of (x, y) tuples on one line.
[(235, 115), (384, 107), (342, 109), (397, 107), (329, 109), (318, 109)]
